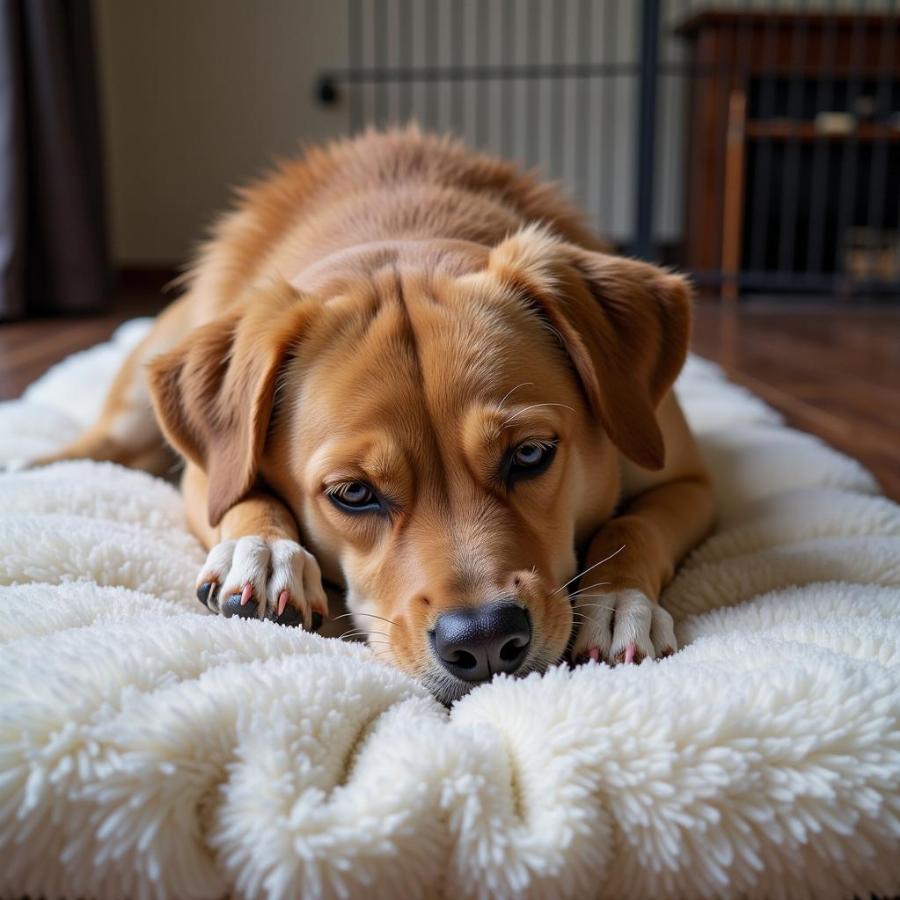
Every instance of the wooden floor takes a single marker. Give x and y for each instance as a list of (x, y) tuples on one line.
[(28, 349), (831, 370)]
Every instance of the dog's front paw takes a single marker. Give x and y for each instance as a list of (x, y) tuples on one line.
[(622, 627), (258, 579)]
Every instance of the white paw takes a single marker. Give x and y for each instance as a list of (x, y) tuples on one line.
[(253, 578), (624, 626)]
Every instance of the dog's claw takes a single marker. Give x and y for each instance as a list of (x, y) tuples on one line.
[(246, 594), (594, 654), (282, 602), (203, 592), (630, 650)]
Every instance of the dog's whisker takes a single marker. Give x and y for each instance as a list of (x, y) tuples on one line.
[(370, 615), (360, 632), (365, 630), (533, 406), (589, 587), (508, 394), (588, 569), (353, 630), (594, 606)]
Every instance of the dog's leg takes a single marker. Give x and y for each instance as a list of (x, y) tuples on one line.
[(256, 567), (126, 432), (635, 556)]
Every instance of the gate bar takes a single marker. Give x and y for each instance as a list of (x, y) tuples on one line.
[(646, 132)]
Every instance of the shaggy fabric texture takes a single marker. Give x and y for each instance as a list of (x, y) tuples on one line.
[(148, 749)]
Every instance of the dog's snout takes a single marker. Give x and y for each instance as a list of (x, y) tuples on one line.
[(474, 644)]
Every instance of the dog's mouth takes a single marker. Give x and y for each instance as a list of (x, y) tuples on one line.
[(448, 688)]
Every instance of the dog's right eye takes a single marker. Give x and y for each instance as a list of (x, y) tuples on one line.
[(355, 497)]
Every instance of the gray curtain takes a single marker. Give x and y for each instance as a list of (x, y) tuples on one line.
[(53, 255)]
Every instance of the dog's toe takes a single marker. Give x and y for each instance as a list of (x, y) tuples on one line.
[(290, 616), (589, 654), (630, 654), (235, 605), (295, 586)]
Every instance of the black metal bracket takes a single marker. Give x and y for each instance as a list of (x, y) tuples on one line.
[(327, 91)]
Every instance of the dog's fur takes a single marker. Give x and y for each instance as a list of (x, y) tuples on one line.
[(398, 310)]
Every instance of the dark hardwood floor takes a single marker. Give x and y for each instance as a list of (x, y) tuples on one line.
[(28, 349), (831, 370)]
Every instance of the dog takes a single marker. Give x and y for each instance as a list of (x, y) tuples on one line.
[(412, 371)]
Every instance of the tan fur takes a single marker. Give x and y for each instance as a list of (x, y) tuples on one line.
[(400, 310)]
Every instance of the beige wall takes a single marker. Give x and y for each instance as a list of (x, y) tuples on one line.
[(198, 95)]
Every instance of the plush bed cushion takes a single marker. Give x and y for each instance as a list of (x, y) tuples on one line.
[(150, 750)]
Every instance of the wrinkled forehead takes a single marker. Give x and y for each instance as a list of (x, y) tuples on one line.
[(413, 351)]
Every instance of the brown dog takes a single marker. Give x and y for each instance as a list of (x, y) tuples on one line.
[(413, 368)]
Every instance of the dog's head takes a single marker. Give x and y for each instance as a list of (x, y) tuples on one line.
[(446, 434)]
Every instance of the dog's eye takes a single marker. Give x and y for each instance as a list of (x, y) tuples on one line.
[(528, 459), (529, 455), (355, 496)]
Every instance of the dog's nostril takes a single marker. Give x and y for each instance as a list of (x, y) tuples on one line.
[(474, 644), (513, 649), (463, 660)]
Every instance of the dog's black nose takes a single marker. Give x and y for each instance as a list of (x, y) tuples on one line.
[(474, 644)]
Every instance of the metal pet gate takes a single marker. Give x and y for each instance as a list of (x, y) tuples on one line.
[(756, 146)]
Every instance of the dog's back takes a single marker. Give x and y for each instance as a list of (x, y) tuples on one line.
[(381, 186)]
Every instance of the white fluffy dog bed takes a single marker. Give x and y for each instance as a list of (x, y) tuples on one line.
[(150, 750)]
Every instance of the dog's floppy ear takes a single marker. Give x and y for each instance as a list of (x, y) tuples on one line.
[(214, 392), (624, 324)]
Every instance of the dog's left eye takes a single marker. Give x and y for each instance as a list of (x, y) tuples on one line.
[(355, 496), (528, 459)]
